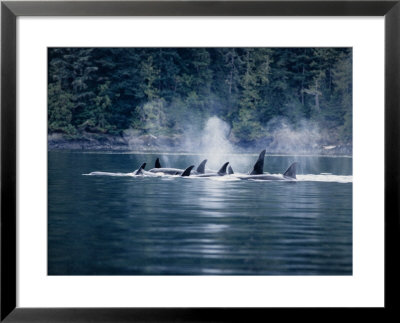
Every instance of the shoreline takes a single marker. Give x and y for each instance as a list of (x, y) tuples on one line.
[(151, 144), (155, 152)]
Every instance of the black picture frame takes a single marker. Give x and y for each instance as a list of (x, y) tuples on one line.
[(10, 10)]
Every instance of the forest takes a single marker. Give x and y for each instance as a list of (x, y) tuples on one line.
[(162, 91)]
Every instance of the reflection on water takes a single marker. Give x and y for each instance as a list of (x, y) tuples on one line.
[(124, 225)]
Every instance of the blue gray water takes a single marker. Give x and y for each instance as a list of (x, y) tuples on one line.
[(117, 224)]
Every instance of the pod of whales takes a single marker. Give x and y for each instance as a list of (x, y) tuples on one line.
[(257, 173)]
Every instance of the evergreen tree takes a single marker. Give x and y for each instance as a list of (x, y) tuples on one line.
[(60, 107), (159, 90)]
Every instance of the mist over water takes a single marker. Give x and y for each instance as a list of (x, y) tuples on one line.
[(290, 139), (211, 140), (214, 138), (214, 144)]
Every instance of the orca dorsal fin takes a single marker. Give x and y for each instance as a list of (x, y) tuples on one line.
[(187, 171), (291, 171), (258, 168), (230, 170), (140, 170), (222, 170), (201, 168), (157, 164)]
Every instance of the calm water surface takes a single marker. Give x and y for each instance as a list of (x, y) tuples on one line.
[(117, 224)]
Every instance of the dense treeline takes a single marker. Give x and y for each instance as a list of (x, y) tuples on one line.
[(160, 91)]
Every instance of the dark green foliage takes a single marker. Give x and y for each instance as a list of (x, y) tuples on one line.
[(60, 110), (165, 90)]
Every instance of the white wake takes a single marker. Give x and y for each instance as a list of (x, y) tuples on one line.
[(325, 177)]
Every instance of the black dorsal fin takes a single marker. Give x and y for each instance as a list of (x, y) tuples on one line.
[(140, 170), (157, 164), (201, 168), (230, 170), (259, 165), (187, 171), (291, 171), (222, 170)]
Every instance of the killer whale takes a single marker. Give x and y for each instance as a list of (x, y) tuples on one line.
[(141, 171), (258, 171), (288, 175), (221, 172), (167, 171), (176, 171)]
